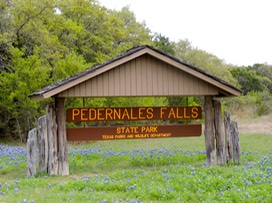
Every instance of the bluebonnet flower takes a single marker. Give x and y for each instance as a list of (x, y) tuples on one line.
[(247, 195)]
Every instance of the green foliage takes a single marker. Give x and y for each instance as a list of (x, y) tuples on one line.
[(256, 85), (253, 104), (263, 103), (27, 75), (164, 44), (250, 80), (265, 71), (133, 30), (203, 60), (44, 41), (71, 65)]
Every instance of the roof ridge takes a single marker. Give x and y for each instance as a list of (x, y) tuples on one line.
[(120, 56)]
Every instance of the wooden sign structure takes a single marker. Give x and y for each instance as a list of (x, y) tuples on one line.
[(133, 114), (139, 72)]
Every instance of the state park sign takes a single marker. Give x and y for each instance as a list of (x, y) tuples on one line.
[(133, 114)]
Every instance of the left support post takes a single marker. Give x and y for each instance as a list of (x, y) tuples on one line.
[(42, 144), (61, 136), (219, 132), (52, 140), (31, 153)]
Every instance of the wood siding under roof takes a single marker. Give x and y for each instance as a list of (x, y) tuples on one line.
[(142, 76)]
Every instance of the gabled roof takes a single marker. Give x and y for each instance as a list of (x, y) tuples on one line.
[(224, 88)]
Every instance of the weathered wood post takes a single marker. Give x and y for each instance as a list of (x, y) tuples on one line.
[(52, 140), (235, 141), (228, 140), (42, 144), (219, 132), (63, 168), (209, 130), (31, 153)]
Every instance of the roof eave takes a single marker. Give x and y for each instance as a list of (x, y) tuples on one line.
[(55, 89)]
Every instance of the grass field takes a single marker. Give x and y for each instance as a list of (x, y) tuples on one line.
[(154, 170)]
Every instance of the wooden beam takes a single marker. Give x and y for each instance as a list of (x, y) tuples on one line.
[(209, 130), (235, 141), (52, 139), (31, 153), (133, 132), (228, 139), (42, 144), (219, 132), (62, 140)]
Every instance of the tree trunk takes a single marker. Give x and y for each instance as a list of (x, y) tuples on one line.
[(43, 144), (52, 140), (62, 140), (219, 132), (235, 141), (228, 140), (209, 130), (31, 153)]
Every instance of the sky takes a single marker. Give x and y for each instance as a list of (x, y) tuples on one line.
[(237, 31)]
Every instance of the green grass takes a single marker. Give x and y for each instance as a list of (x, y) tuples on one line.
[(155, 170)]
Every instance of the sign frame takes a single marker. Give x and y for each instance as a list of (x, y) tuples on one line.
[(133, 113), (133, 132)]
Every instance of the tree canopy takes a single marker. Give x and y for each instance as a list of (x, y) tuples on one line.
[(43, 41)]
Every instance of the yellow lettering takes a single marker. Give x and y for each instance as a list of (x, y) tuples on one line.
[(131, 136), (92, 114), (117, 114), (82, 114), (171, 113), (131, 115), (118, 130), (75, 112), (149, 113), (143, 129), (107, 137), (149, 129), (155, 129), (99, 114), (134, 129), (194, 112), (162, 111), (141, 113), (178, 116), (120, 136), (109, 114), (185, 113), (125, 114)]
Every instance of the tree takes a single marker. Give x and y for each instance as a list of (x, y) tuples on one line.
[(203, 60), (17, 109), (135, 33), (250, 79), (43, 41), (164, 44)]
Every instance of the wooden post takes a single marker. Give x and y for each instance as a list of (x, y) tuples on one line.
[(31, 153), (228, 140), (52, 140), (235, 141), (209, 131), (42, 144), (62, 140), (219, 132)]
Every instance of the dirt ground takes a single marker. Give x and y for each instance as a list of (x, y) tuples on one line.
[(261, 125)]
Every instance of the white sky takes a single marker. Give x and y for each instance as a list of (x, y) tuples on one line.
[(238, 31)]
